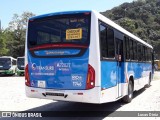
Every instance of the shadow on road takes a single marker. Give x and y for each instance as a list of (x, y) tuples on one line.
[(72, 110), (136, 93)]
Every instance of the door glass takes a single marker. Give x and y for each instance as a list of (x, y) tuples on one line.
[(119, 50)]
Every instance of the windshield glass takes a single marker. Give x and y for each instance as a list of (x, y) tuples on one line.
[(59, 29), (5, 63), (20, 63)]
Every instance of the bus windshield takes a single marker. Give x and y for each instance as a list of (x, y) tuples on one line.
[(5, 63), (73, 29), (20, 63)]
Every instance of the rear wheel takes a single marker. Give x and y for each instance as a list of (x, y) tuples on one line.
[(129, 96), (149, 82)]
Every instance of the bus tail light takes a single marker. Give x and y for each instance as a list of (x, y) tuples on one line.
[(90, 78), (27, 81)]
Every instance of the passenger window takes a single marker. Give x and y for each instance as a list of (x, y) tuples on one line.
[(150, 55), (131, 49), (143, 54), (127, 48), (135, 49), (139, 51), (110, 42), (107, 42), (103, 34), (147, 56)]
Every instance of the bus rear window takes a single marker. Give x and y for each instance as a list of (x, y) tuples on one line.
[(59, 29)]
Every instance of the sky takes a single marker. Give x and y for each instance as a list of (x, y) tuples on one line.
[(9, 7)]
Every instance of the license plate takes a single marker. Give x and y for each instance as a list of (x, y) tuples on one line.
[(41, 83)]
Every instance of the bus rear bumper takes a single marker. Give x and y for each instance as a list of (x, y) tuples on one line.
[(85, 96)]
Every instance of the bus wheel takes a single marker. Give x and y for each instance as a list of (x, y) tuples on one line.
[(149, 82), (128, 98)]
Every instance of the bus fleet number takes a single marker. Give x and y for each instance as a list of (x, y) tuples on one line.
[(77, 84)]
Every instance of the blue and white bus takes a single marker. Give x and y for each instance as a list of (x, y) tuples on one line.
[(82, 56)]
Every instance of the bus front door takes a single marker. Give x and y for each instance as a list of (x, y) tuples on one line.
[(119, 58)]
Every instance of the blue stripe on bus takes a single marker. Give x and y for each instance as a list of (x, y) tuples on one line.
[(110, 74)]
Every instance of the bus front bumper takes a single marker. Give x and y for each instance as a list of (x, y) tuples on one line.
[(20, 72), (6, 72)]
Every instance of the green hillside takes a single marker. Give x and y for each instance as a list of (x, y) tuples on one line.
[(142, 18)]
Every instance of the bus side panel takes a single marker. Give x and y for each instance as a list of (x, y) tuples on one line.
[(108, 81), (94, 55), (108, 74), (113, 83), (140, 73), (147, 69)]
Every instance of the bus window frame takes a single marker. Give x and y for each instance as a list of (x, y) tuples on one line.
[(108, 27), (56, 17)]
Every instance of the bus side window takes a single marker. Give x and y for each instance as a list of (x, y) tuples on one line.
[(131, 48), (150, 55), (107, 42), (144, 53), (103, 42), (110, 43), (135, 49), (139, 51), (127, 48), (147, 54)]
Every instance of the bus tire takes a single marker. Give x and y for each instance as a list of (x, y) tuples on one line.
[(149, 82), (128, 98)]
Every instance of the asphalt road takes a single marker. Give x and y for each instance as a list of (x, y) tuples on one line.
[(12, 98)]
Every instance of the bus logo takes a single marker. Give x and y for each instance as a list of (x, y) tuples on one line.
[(33, 66)]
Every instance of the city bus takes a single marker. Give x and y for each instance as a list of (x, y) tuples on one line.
[(20, 66), (7, 65), (82, 56)]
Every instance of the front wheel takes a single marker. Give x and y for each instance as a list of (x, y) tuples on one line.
[(128, 98)]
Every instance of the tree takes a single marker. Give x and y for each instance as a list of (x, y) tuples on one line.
[(127, 23), (142, 18), (17, 32), (3, 49)]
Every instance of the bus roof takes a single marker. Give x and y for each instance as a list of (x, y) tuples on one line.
[(8, 57), (59, 13)]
